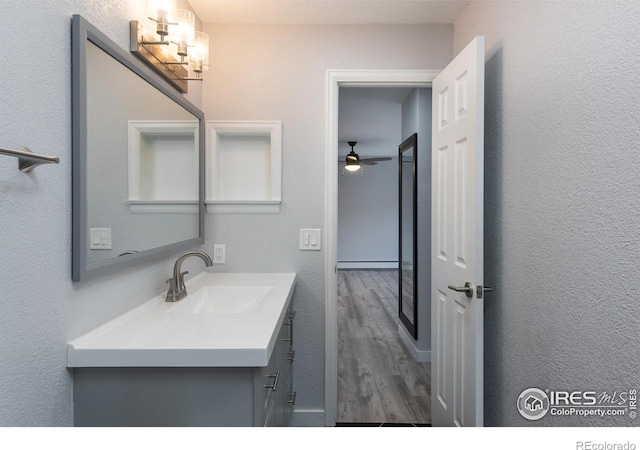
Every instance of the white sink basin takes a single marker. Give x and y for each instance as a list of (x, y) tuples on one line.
[(221, 299), (226, 320)]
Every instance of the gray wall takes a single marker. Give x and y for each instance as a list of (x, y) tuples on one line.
[(416, 118), (562, 203), (265, 72), (368, 214), (368, 202), (40, 308)]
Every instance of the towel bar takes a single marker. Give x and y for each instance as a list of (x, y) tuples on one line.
[(27, 160)]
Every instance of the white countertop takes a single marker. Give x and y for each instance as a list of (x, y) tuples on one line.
[(149, 336)]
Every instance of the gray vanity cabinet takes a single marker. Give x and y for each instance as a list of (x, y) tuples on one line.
[(279, 397), (284, 396), (190, 396)]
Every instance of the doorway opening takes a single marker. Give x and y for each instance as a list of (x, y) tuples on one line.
[(359, 280), (379, 380)]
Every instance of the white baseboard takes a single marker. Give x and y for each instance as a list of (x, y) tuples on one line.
[(410, 344), (363, 265), (308, 417)]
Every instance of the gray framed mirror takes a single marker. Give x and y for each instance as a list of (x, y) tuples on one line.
[(138, 160), (408, 233)]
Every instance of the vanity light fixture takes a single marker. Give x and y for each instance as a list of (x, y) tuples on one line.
[(174, 49)]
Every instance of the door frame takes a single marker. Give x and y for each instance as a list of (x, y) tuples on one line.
[(335, 80)]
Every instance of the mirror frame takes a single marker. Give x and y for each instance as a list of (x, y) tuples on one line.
[(81, 32), (411, 324)]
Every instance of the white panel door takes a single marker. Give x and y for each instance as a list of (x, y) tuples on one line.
[(457, 240)]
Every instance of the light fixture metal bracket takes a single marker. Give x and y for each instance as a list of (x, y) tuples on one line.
[(143, 46)]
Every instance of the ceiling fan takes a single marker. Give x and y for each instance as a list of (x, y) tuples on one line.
[(353, 162)]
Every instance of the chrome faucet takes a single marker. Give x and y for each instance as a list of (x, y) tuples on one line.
[(177, 289)]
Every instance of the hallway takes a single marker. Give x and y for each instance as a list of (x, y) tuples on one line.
[(378, 380)]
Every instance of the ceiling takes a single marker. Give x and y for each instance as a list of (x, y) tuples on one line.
[(328, 11)]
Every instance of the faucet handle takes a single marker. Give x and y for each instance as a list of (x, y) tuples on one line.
[(172, 295), (184, 273)]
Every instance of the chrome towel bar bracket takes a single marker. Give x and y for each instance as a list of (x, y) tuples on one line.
[(27, 160)]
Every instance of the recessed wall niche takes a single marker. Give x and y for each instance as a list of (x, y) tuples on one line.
[(163, 166), (243, 169)]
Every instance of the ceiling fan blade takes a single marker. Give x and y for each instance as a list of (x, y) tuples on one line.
[(382, 158), (369, 161), (364, 162)]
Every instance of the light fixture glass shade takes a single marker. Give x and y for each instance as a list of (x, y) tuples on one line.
[(352, 167), (161, 12), (182, 33), (199, 53)]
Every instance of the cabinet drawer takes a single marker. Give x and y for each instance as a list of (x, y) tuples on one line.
[(269, 416), (267, 381)]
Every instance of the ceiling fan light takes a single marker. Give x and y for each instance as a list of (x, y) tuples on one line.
[(352, 160)]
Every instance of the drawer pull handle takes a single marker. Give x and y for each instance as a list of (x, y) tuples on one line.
[(273, 386), (292, 398), (290, 338), (292, 356)]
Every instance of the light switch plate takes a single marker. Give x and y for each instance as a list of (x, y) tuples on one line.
[(310, 239), (99, 238)]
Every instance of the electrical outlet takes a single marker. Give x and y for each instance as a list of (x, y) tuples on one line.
[(219, 253)]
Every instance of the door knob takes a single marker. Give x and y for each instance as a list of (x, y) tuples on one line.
[(467, 289)]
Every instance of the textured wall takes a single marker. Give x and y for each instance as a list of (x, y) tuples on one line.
[(40, 308), (265, 72), (562, 202)]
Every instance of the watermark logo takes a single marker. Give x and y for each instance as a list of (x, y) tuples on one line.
[(588, 445), (533, 404)]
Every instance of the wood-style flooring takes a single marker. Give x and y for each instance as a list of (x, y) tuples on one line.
[(378, 380)]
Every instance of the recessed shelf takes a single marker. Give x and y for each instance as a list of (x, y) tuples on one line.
[(244, 166), (160, 151)]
